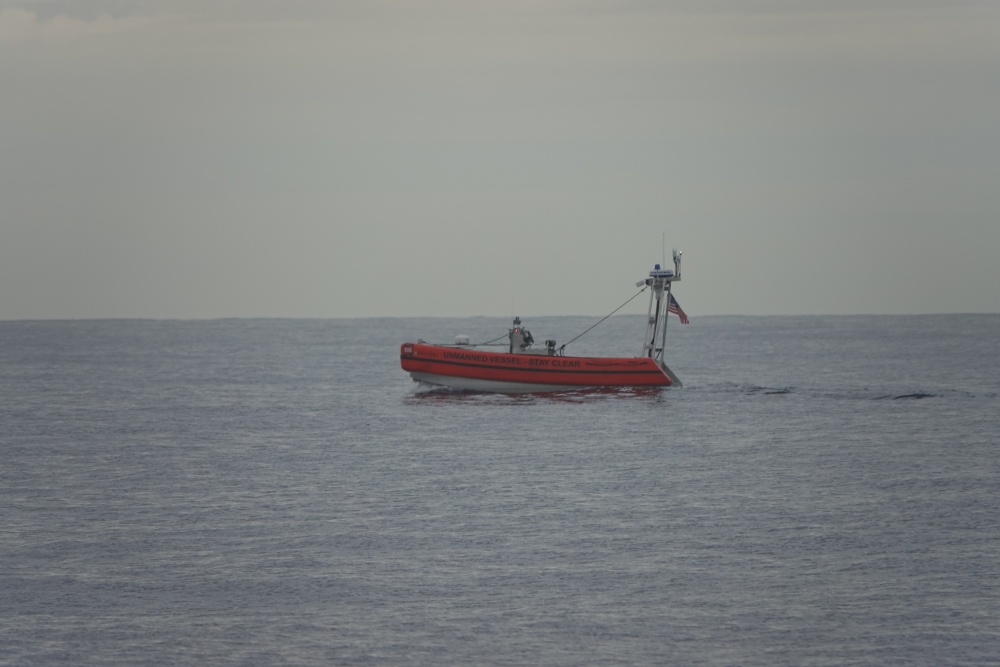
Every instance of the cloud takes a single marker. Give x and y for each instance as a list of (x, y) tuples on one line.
[(21, 25)]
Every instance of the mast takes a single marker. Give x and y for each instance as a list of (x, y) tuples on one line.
[(661, 280)]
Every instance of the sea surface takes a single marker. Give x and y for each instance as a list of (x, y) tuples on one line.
[(821, 491)]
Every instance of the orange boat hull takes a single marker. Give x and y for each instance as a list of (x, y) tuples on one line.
[(466, 368)]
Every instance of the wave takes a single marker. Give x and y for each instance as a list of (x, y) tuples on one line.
[(859, 393)]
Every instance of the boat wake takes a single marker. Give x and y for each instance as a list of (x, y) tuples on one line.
[(861, 393)]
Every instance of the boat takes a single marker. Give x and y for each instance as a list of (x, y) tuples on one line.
[(524, 368)]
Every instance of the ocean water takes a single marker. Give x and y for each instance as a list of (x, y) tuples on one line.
[(822, 491)]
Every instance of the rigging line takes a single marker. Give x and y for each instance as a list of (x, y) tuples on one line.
[(490, 342), (563, 347)]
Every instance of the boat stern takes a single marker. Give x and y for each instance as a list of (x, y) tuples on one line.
[(674, 380)]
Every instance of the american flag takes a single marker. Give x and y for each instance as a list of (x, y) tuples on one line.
[(675, 308)]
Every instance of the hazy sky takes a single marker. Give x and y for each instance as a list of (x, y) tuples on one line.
[(317, 158)]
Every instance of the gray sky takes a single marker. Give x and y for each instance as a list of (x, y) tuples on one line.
[(210, 158)]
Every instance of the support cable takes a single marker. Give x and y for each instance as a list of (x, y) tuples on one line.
[(563, 346), (491, 342)]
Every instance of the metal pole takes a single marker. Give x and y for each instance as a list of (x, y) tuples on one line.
[(666, 318)]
